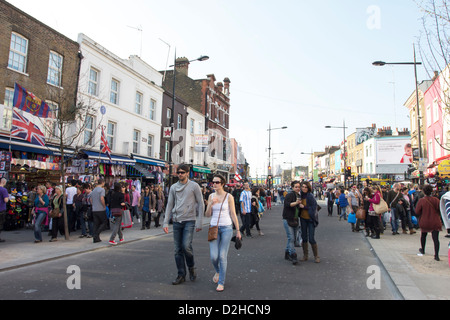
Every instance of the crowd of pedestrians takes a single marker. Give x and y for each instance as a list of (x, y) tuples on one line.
[(92, 209), (371, 208)]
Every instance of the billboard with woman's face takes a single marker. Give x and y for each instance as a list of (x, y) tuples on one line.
[(394, 151)]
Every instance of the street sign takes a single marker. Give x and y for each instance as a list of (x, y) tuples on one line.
[(423, 164)]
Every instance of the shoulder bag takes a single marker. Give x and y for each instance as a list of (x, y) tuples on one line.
[(213, 232)]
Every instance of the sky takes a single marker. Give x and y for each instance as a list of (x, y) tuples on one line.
[(295, 63)]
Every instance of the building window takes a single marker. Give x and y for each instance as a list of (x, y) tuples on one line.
[(51, 123), (152, 114), (179, 121), (136, 140), (169, 117), (7, 112), (429, 120), (166, 151), (138, 103), (192, 127), (89, 131), (55, 65), (150, 145), (93, 82), (110, 133), (18, 52), (114, 96), (435, 110)]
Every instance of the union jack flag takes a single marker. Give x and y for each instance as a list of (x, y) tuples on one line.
[(23, 128), (104, 145)]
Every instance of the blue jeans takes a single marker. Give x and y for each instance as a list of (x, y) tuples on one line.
[(291, 234), (40, 217), (218, 250), (394, 219), (343, 213), (183, 234), (308, 231)]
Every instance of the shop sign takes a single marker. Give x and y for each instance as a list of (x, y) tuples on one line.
[(444, 168)]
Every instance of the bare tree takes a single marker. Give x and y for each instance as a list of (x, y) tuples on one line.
[(435, 52)]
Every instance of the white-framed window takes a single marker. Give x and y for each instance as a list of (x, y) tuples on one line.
[(55, 67), (138, 103), (114, 95), (430, 151), (192, 126), (51, 123), (169, 116), (110, 135), (429, 120), (18, 52), (152, 113), (136, 141), (7, 112), (166, 151), (437, 147), (179, 121), (435, 110), (150, 141), (89, 130), (94, 77)]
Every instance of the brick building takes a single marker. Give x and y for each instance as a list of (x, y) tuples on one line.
[(211, 99), (38, 58)]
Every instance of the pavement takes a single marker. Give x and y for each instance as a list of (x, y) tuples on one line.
[(416, 277)]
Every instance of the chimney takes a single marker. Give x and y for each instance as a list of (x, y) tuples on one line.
[(182, 65), (220, 86), (227, 82)]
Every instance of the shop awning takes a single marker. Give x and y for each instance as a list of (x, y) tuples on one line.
[(103, 158), (149, 161), (145, 173), (25, 146), (201, 169)]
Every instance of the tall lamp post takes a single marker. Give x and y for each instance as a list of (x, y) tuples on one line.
[(345, 149), (312, 163), (172, 114), (269, 171), (415, 64)]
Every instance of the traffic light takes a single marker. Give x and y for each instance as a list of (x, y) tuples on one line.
[(348, 172)]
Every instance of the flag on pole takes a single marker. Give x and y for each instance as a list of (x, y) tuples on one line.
[(28, 102), (104, 145), (238, 177), (23, 128)]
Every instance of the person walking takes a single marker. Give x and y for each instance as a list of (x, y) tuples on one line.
[(445, 211), (135, 200), (146, 205), (4, 198), (269, 199), (343, 203), (331, 197), (223, 214), (71, 191), (117, 202), (41, 204), (308, 220), (186, 208), (291, 214), (159, 194), (394, 198), (375, 222), (58, 219), (86, 212), (255, 210), (427, 211), (98, 210), (246, 209)]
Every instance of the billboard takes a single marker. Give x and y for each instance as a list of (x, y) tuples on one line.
[(364, 134), (394, 151)]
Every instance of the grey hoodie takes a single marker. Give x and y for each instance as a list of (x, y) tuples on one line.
[(185, 204)]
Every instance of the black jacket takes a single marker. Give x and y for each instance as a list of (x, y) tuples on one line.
[(288, 211)]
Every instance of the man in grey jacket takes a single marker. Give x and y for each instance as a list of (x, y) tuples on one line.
[(185, 206)]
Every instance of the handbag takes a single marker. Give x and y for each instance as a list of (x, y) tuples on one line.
[(294, 222), (116, 212), (351, 218), (361, 214), (380, 208), (55, 213), (126, 221), (213, 232)]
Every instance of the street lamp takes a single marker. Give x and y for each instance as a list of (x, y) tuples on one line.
[(345, 147), (415, 64), (269, 171), (172, 114)]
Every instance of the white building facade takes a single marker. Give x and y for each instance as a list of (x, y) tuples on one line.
[(126, 96)]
